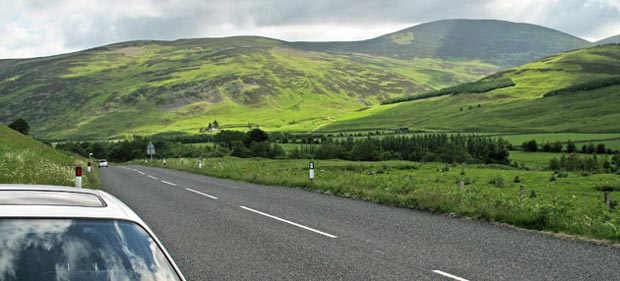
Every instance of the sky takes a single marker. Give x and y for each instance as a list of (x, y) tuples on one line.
[(32, 28)]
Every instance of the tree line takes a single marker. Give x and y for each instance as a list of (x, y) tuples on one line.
[(590, 163), (480, 86), (571, 147), (257, 143), (585, 86)]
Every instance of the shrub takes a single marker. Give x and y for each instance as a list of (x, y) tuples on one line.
[(498, 182)]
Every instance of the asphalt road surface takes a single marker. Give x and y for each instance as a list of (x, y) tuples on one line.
[(218, 229)]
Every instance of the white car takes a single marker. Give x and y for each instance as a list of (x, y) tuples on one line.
[(65, 233), (102, 163)]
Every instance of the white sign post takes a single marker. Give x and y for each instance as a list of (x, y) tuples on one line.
[(312, 171), (200, 164)]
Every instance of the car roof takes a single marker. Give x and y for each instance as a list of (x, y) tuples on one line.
[(47, 201)]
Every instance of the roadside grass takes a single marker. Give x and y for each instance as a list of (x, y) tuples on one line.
[(24, 160), (570, 204)]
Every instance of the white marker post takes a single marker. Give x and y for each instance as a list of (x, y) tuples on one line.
[(311, 171), (78, 177), (200, 164), (164, 161), (89, 168)]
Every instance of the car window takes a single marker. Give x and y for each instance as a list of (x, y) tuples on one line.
[(48, 249)]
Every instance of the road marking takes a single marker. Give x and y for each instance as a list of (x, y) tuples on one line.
[(449, 275), (151, 177), (142, 173), (203, 194), (168, 183), (289, 222)]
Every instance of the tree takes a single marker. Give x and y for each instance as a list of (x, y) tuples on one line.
[(256, 135), (530, 146), (571, 147), (216, 125), (20, 125), (600, 149), (210, 127)]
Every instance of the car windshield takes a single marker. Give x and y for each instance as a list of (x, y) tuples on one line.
[(48, 249)]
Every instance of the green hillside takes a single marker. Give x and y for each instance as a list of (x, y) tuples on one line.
[(147, 87), (492, 41), (585, 97), (27, 161)]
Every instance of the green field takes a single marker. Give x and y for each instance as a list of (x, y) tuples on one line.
[(24, 160), (536, 160), (569, 205)]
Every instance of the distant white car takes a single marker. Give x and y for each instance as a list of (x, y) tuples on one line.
[(64, 233), (102, 163)]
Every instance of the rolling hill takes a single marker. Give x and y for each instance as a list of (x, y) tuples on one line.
[(612, 39), (497, 42), (575, 91), (146, 87)]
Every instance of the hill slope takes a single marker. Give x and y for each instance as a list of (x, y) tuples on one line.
[(497, 42), (591, 106), (613, 39), (27, 161), (147, 86)]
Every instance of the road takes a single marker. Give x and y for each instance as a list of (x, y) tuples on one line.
[(218, 229)]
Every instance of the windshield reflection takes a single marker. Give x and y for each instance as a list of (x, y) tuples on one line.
[(79, 250)]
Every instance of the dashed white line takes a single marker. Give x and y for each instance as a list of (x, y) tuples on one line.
[(203, 194), (168, 183), (289, 222), (449, 275), (142, 173), (152, 177)]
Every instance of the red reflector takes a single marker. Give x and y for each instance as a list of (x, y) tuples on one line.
[(78, 171)]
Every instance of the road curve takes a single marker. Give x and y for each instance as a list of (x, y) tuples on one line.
[(220, 229)]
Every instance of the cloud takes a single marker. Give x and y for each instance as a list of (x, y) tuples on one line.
[(40, 27)]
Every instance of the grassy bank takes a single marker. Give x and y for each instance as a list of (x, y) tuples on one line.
[(24, 160), (569, 204)]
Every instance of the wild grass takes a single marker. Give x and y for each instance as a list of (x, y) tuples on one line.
[(571, 204), (24, 160)]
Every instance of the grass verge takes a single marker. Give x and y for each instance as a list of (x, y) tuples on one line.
[(24, 160), (569, 203)]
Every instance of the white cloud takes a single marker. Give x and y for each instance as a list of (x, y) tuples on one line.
[(42, 27)]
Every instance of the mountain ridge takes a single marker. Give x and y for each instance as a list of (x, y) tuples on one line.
[(149, 86)]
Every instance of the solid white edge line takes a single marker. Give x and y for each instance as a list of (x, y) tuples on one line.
[(142, 173), (449, 275), (289, 222), (152, 177), (203, 194), (168, 183)]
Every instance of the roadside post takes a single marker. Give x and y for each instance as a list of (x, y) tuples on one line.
[(89, 168), (150, 150), (312, 171), (164, 161), (200, 164), (78, 177)]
